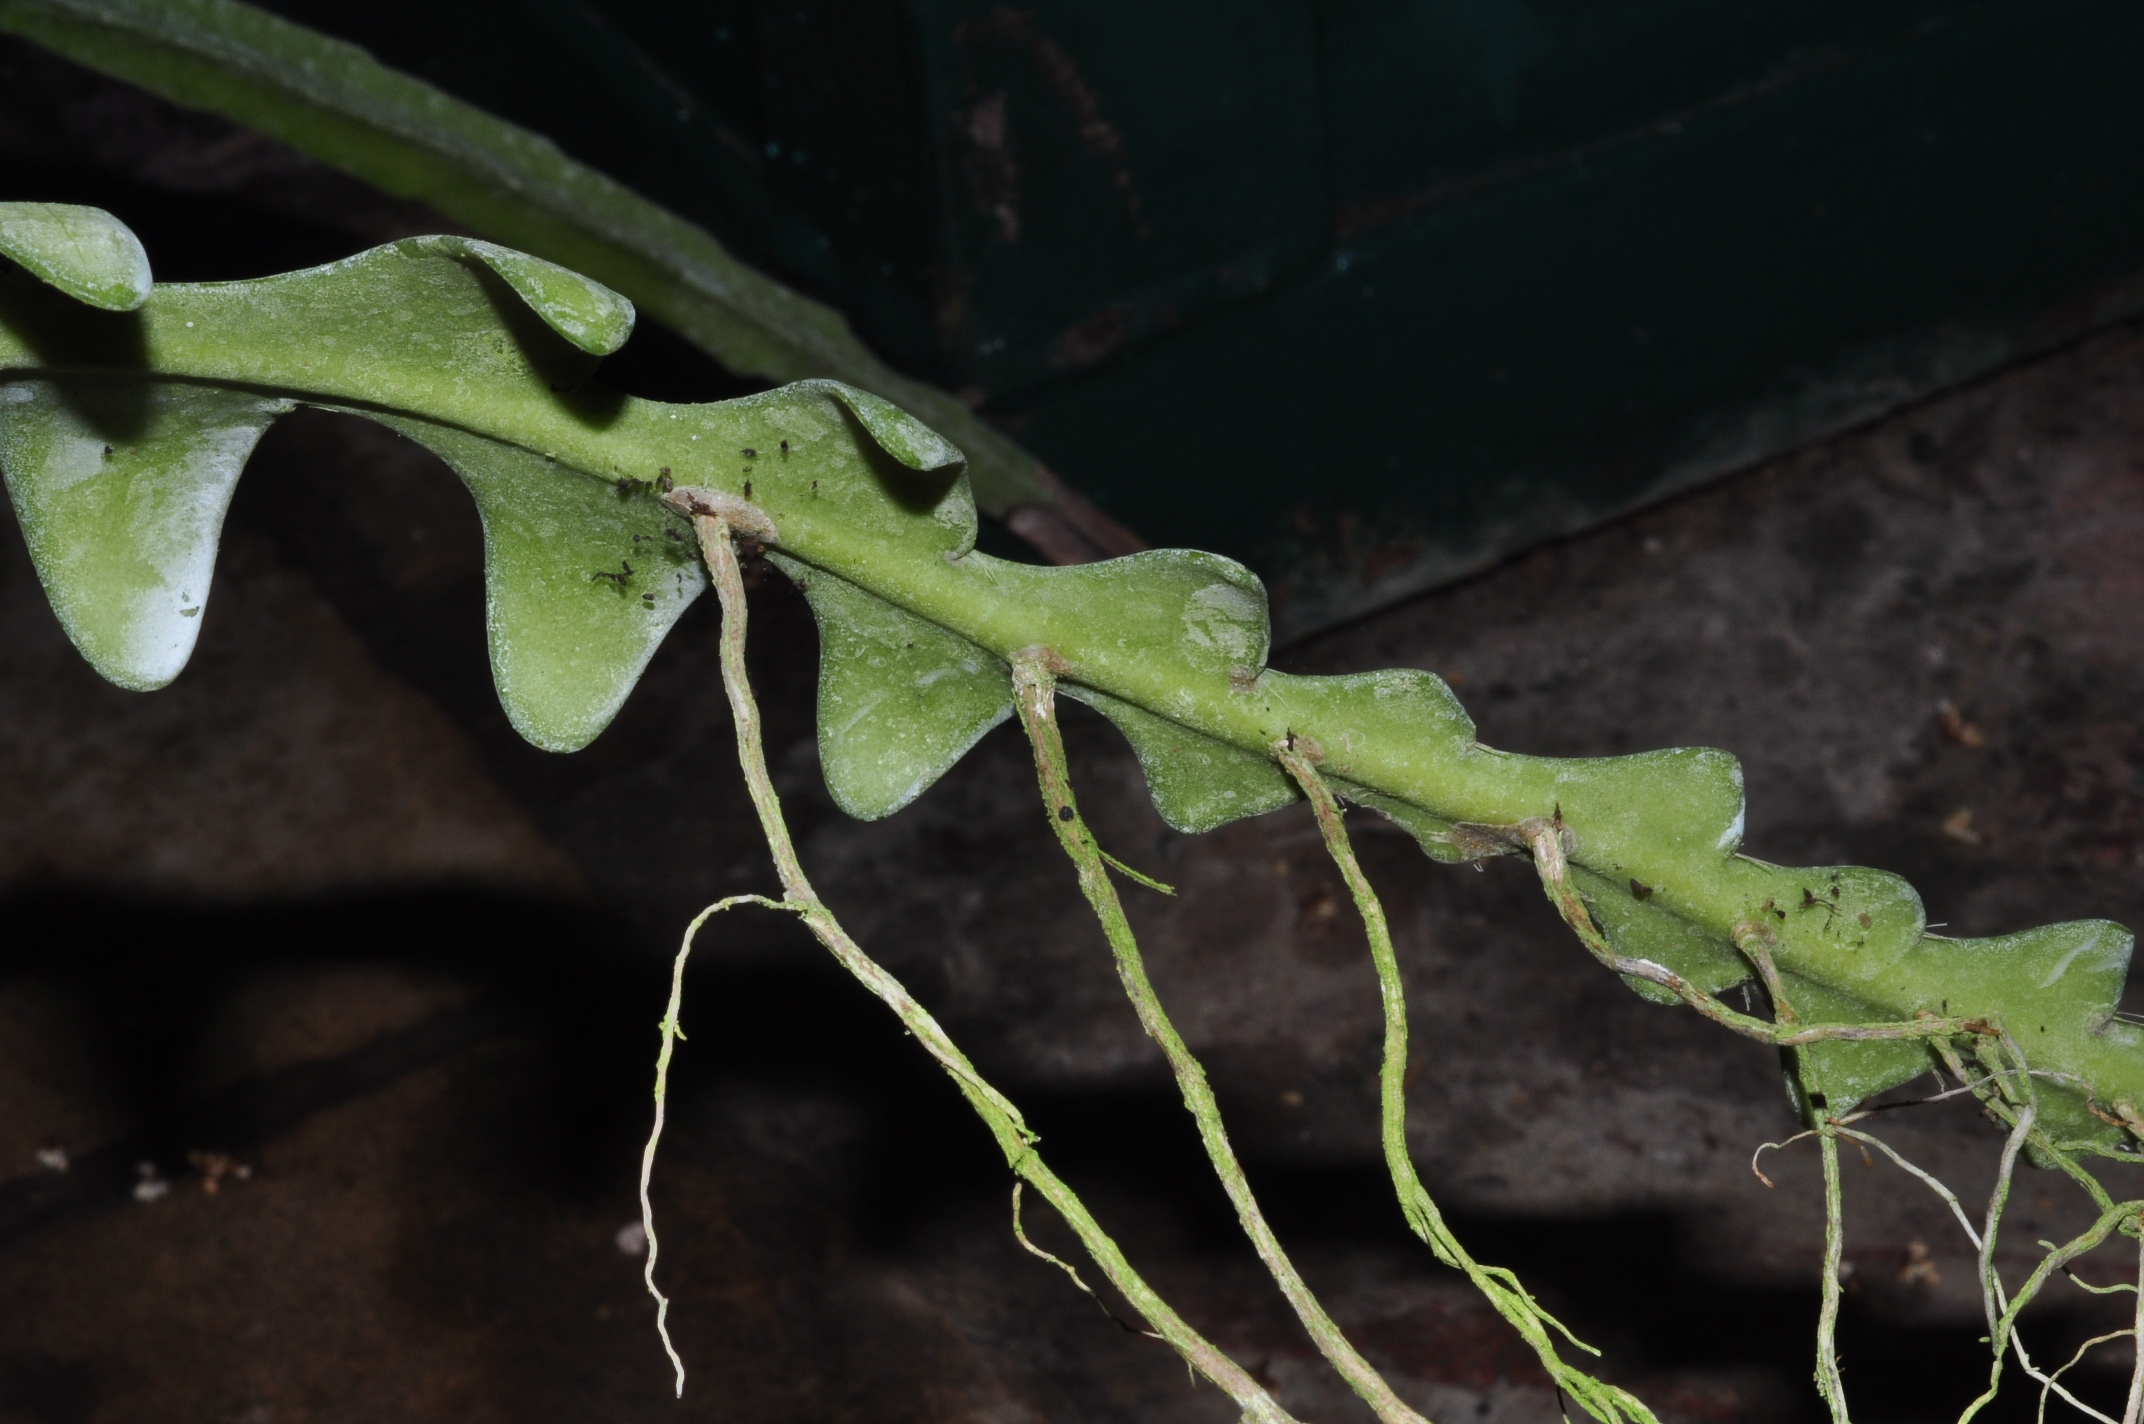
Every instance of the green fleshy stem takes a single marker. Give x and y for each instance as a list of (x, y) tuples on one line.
[(1171, 645)]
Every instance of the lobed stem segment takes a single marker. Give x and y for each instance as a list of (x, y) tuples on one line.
[(1501, 1287), (1003, 1119), (1545, 839), (1035, 694)]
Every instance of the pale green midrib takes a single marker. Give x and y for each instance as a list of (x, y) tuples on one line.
[(679, 273), (1711, 890)]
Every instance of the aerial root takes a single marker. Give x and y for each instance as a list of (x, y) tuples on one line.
[(2006, 1092), (672, 1032), (1999, 1078), (1548, 840), (1014, 1138), (1498, 1285), (1035, 692), (1828, 1380), (2133, 1408), (2004, 1085), (2075, 1359), (1020, 1234)]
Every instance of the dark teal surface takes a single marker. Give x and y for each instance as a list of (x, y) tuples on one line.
[(1513, 361), (1370, 293)]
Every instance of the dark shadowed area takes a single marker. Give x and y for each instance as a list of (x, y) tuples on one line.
[(338, 1002)]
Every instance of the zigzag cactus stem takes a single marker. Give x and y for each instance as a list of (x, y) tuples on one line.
[(1501, 1287), (1013, 1136), (128, 411), (1035, 689), (122, 434)]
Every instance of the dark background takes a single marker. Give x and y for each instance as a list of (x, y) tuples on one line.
[(1369, 294), (316, 908)]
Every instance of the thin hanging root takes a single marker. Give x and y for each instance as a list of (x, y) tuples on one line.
[(1993, 1289), (2074, 1360), (1501, 1287), (1006, 1125), (2118, 1288), (1035, 693), (2057, 1259), (2003, 1089), (1756, 941), (1996, 1300), (1828, 1382), (2006, 1091), (672, 1032), (1764, 1147), (2114, 1219), (1020, 1234), (2133, 1410), (1991, 1281), (1130, 874), (1927, 1179), (2002, 1312)]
